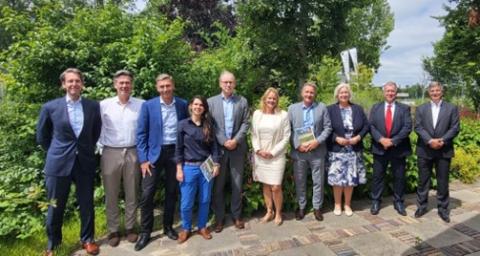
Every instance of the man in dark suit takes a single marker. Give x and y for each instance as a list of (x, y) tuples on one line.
[(156, 139), (436, 123), (390, 126), (68, 129), (231, 117)]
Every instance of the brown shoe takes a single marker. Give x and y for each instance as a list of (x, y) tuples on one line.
[(205, 233), (239, 223), (48, 253), (91, 248), (218, 227), (318, 214), (183, 236), (132, 236), (114, 239)]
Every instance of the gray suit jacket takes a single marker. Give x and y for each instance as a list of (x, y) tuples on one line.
[(322, 128), (240, 121), (447, 128)]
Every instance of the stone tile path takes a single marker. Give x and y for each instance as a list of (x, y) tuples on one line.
[(362, 234)]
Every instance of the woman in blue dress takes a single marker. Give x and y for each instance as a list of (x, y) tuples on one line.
[(345, 166)]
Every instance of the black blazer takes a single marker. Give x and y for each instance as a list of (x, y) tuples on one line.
[(448, 126), (56, 136), (401, 128), (360, 126)]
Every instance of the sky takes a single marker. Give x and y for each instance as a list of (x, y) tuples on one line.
[(414, 33), (411, 39)]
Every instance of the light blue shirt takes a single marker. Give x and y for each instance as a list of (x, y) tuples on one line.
[(308, 115), (169, 119), (75, 115), (228, 115)]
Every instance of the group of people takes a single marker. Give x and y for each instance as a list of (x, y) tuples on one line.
[(167, 139)]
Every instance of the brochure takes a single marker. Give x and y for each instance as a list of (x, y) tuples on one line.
[(305, 134), (207, 168)]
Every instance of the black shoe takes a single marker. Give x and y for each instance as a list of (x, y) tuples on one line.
[(400, 208), (444, 216), (420, 212), (375, 209), (318, 214), (170, 233), (143, 240), (299, 214)]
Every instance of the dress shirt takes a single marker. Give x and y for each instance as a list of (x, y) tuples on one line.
[(75, 114), (308, 115), (228, 115), (191, 145), (435, 112), (169, 119), (119, 121), (392, 109)]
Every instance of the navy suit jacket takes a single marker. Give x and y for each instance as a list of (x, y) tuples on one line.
[(401, 128), (150, 128), (56, 136), (447, 128), (360, 126)]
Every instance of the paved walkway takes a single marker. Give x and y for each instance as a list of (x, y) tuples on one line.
[(362, 234)]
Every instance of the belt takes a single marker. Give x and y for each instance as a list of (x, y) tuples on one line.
[(198, 163), (120, 148), (168, 146)]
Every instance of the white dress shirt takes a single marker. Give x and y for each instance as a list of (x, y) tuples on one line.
[(435, 112), (119, 121), (392, 108)]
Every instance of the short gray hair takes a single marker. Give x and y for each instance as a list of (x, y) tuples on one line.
[(339, 87), (226, 72), (72, 70), (164, 76), (311, 84), (123, 72), (390, 83), (435, 84)]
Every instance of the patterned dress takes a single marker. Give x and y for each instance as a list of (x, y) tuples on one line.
[(346, 168)]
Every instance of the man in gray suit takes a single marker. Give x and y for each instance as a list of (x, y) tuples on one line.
[(437, 123), (230, 114), (311, 126)]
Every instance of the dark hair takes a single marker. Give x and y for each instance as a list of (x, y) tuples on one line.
[(123, 72), (206, 119)]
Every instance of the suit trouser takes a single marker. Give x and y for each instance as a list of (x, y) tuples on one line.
[(442, 167), (58, 189), (380, 165), (194, 182), (300, 173), (120, 165), (166, 162), (231, 164)]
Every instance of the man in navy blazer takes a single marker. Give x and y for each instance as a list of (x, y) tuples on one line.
[(390, 126), (156, 139), (437, 123), (68, 129)]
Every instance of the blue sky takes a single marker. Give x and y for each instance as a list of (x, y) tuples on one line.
[(411, 39)]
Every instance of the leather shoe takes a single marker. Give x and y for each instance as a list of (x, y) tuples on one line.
[(205, 233), (91, 248), (218, 227), (170, 233), (239, 223), (300, 214), (318, 214), (400, 208), (114, 239), (142, 241), (48, 253), (375, 209), (132, 236), (420, 212), (183, 236), (444, 216)]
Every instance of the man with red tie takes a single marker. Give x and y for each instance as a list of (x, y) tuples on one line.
[(390, 126)]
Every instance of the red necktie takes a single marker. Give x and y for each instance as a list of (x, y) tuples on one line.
[(388, 120)]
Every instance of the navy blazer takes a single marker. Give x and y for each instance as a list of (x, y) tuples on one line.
[(56, 136), (150, 128), (401, 128), (447, 128), (360, 126)]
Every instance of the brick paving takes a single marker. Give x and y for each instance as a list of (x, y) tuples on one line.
[(362, 234)]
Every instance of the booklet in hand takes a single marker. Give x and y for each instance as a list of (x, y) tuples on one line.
[(207, 168), (305, 134)]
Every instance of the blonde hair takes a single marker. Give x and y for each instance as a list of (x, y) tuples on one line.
[(263, 106), (339, 87)]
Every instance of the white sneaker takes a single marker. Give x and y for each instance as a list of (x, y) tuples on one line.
[(348, 211), (337, 211)]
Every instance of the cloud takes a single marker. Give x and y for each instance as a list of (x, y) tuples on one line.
[(411, 40)]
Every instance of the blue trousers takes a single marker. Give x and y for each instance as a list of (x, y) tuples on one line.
[(193, 182)]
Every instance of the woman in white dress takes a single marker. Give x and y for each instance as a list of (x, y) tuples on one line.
[(270, 135)]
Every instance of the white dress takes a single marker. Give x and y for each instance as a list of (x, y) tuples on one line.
[(270, 132)]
